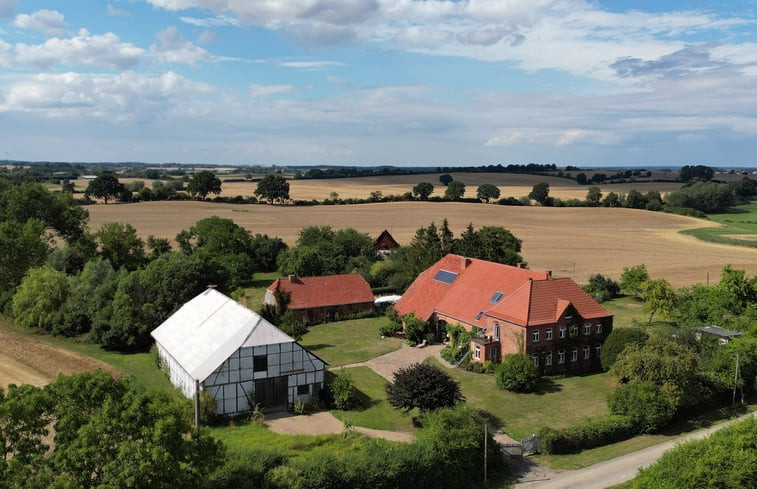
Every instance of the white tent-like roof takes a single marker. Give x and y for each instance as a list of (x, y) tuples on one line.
[(205, 331)]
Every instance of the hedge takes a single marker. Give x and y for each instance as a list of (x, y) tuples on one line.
[(591, 434)]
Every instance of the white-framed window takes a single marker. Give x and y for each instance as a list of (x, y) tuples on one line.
[(549, 334), (587, 328), (574, 354), (568, 315), (598, 349), (563, 329), (548, 359), (496, 330), (560, 356), (587, 352), (535, 335), (574, 330), (599, 328), (535, 359), (477, 352)]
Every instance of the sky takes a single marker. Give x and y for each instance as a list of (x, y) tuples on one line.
[(380, 82)]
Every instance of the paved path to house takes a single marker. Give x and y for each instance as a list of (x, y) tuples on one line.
[(615, 471), (324, 423), (387, 364)]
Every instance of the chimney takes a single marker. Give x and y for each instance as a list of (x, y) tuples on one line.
[(465, 262), (549, 274), (292, 278)]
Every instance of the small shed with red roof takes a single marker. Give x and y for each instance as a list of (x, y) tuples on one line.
[(321, 299), (511, 310)]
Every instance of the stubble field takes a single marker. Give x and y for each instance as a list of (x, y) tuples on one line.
[(573, 242)]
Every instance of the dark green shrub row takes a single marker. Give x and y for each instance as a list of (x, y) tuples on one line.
[(591, 434)]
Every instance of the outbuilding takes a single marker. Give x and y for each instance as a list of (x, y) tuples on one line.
[(217, 345)]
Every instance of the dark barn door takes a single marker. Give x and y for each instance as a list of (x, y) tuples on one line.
[(271, 393)]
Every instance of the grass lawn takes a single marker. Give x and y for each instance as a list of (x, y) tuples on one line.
[(740, 220), (628, 308), (375, 412), (346, 342), (560, 403), (256, 291)]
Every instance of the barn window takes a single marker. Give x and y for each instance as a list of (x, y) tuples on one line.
[(303, 390), (260, 363)]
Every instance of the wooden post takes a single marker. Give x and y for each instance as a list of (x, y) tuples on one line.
[(197, 403), (486, 433)]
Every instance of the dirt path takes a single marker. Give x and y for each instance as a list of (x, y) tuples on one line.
[(324, 423), (615, 471), (386, 365), (25, 359)]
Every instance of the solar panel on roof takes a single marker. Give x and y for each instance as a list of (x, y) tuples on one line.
[(445, 277)]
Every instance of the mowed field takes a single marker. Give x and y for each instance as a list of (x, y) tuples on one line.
[(509, 184), (573, 242)]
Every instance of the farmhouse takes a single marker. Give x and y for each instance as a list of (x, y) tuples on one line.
[(319, 299), (215, 344), (385, 244), (511, 310)]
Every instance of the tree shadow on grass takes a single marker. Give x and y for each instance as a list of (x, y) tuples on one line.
[(319, 346), (363, 401), (704, 420), (547, 386)]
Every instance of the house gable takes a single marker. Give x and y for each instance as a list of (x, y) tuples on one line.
[(325, 291)]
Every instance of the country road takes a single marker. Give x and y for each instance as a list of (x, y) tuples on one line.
[(617, 470)]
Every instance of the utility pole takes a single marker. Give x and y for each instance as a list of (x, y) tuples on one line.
[(197, 403), (736, 379)]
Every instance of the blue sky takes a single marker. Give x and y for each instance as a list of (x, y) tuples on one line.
[(368, 82)]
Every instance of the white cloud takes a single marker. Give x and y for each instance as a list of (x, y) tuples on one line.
[(310, 65), (47, 21), (217, 21), (553, 137), (206, 37), (84, 49), (8, 8), (125, 96), (258, 91), (172, 48), (117, 12)]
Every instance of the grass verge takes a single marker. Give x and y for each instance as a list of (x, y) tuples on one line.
[(740, 220)]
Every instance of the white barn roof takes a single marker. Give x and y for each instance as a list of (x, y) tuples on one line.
[(205, 331)]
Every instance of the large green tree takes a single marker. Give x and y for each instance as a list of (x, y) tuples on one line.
[(58, 211), (105, 186), (39, 298), (540, 193), (632, 279), (455, 190), (273, 188), (422, 190), (120, 244), (22, 246), (423, 386), (487, 192), (658, 296), (203, 183)]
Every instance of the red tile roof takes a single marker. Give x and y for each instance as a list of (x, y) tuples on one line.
[(528, 297), (329, 290)]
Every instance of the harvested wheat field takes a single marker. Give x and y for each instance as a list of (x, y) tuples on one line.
[(25, 360), (573, 242)]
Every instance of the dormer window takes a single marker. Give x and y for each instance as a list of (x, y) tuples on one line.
[(479, 315), (496, 297)]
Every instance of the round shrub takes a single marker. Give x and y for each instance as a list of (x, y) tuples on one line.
[(617, 341), (517, 373), (649, 406)]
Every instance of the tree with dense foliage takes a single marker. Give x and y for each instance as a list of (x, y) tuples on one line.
[(648, 405), (581, 179), (602, 288), (618, 340), (594, 196), (487, 192), (39, 298), (706, 197), (106, 435), (636, 200), (491, 243), (423, 190), (22, 246), (422, 386), (203, 183), (632, 279), (612, 200), (658, 296), (147, 297), (445, 179), (105, 186), (415, 328), (120, 244), (265, 251), (342, 390), (322, 251), (455, 190), (58, 211), (517, 373), (273, 188), (696, 172), (727, 459), (540, 193)]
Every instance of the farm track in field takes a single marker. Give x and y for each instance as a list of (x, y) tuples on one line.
[(573, 242)]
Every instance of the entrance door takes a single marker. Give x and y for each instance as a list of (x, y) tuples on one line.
[(272, 393)]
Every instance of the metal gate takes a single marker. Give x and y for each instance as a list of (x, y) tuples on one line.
[(531, 445)]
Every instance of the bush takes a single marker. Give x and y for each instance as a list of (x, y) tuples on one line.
[(343, 391), (602, 288), (292, 326), (591, 434), (648, 406), (423, 386), (617, 341), (415, 329), (388, 329), (517, 373)]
